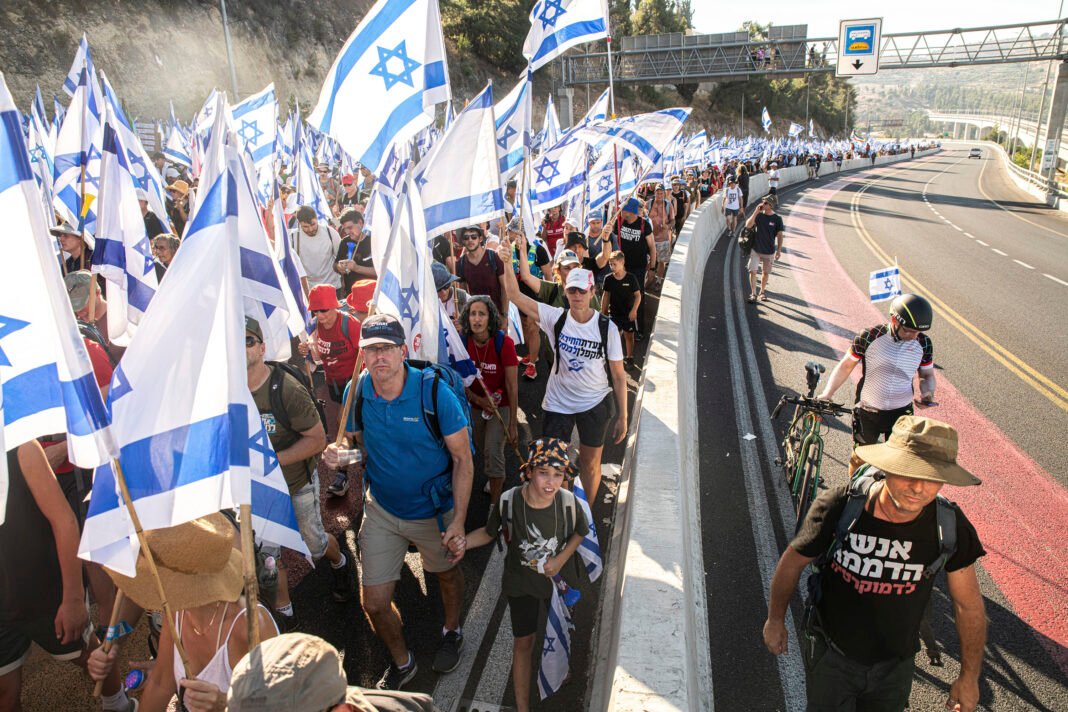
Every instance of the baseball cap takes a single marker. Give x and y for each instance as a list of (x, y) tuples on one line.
[(581, 278), (77, 284), (322, 296), (288, 673), (141, 194), (633, 206), (348, 179), (576, 238), (382, 329), (253, 327), (565, 257)]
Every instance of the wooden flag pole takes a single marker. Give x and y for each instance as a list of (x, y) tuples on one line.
[(500, 418), (248, 555), (116, 610), (347, 406), (168, 615)]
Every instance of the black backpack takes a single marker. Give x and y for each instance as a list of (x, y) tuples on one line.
[(602, 326), (279, 369), (856, 499)]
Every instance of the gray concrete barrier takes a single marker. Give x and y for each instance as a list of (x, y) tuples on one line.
[(651, 641)]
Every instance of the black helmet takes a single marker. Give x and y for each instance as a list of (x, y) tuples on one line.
[(912, 311)]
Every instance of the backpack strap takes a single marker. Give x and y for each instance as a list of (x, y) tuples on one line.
[(570, 504), (856, 498), (274, 392), (498, 344), (602, 326), (430, 415), (946, 517), (345, 326), (357, 404), (558, 328), (505, 503)]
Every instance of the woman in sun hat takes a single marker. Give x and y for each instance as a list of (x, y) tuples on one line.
[(201, 574)]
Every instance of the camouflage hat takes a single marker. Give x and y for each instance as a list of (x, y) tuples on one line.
[(550, 452)]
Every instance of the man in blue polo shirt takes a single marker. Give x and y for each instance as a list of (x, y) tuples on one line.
[(418, 489)]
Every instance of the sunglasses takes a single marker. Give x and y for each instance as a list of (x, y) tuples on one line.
[(319, 311), (576, 290), (472, 236), (251, 341)]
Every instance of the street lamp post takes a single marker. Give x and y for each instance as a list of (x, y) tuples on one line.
[(229, 50)]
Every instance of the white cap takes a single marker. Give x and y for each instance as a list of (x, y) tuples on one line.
[(581, 278)]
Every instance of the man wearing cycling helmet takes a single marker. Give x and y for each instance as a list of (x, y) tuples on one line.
[(891, 353)]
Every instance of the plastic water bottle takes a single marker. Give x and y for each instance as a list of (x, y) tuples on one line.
[(134, 679), (269, 579), (570, 595), (496, 398)]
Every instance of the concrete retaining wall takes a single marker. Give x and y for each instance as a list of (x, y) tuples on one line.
[(651, 642)]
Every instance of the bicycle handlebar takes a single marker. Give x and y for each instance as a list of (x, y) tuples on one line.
[(825, 407)]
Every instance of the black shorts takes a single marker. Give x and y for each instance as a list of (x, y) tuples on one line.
[(525, 612), (16, 637), (592, 424), (625, 325), (336, 391), (869, 425)]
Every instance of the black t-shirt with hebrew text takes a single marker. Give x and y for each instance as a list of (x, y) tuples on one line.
[(874, 591)]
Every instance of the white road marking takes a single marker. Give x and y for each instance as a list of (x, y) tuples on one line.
[(1003, 254), (984, 244), (1023, 264), (958, 229), (1058, 281), (968, 234)]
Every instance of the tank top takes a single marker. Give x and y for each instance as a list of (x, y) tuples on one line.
[(218, 671), (31, 583), (732, 199)]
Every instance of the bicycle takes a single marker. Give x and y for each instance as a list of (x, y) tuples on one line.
[(802, 445)]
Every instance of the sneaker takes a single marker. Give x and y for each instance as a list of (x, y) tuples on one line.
[(396, 678), (531, 371), (448, 655), (340, 485), (342, 588), (486, 488)]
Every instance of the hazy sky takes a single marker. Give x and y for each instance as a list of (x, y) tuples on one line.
[(822, 16)]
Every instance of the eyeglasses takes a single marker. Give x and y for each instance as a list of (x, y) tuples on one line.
[(251, 341), (576, 290), (379, 349), (319, 311)]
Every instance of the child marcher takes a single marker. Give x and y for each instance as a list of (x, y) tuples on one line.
[(622, 295), (543, 526)]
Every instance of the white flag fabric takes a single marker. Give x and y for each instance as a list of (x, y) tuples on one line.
[(811, 129), (513, 117), (459, 181), (884, 284), (598, 111), (385, 82), (647, 136), (556, 647), (695, 150), (46, 378), (765, 120), (603, 177), (590, 548), (309, 189), (558, 173), (558, 25), (796, 130), (77, 157), (122, 253), (256, 124), (405, 285), (550, 126), (177, 148)]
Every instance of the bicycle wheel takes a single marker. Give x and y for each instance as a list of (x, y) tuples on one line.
[(804, 494)]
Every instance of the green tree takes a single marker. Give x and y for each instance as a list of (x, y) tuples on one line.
[(493, 31)]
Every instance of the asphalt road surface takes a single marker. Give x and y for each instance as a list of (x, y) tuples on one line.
[(994, 262)]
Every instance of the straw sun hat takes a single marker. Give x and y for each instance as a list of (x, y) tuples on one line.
[(197, 564)]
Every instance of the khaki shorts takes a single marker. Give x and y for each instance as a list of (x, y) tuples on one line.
[(663, 252), (384, 542), (758, 260)]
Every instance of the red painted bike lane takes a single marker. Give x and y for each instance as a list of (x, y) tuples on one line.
[(1020, 511)]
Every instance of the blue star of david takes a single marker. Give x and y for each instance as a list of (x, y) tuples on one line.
[(144, 249), (9, 325), (889, 284), (547, 171), (261, 444), (408, 65), (550, 645), (551, 11), (508, 133), (120, 385), (421, 181), (250, 132), (208, 111), (408, 296), (605, 182), (37, 154)]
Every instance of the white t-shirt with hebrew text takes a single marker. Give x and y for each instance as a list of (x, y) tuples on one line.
[(581, 382)]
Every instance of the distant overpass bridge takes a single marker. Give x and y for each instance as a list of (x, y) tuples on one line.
[(968, 125)]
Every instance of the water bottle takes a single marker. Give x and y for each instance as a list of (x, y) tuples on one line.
[(269, 579), (570, 595), (134, 679), (496, 398)]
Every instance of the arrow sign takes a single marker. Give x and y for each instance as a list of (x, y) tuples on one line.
[(858, 47)]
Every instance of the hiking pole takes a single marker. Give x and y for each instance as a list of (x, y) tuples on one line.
[(109, 641), (346, 407)]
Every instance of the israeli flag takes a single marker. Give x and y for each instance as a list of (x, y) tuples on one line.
[(300, 322), (556, 647), (796, 130), (386, 81), (602, 179), (256, 124), (177, 149), (695, 150), (405, 285), (515, 324), (309, 189), (46, 378), (205, 118), (82, 58), (647, 136), (590, 548), (42, 158), (558, 25), (558, 173), (765, 120), (122, 254), (77, 158), (459, 181), (550, 126), (884, 284), (513, 115), (598, 111), (197, 455), (141, 166), (811, 129), (453, 347)]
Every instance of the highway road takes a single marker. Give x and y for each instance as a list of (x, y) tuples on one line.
[(995, 264)]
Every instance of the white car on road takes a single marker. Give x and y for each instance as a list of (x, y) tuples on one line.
[(975, 153)]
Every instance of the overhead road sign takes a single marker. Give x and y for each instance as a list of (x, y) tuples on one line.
[(858, 42)]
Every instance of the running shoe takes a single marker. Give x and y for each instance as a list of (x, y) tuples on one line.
[(396, 678), (448, 655), (340, 485)]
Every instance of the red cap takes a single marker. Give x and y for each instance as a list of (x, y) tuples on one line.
[(360, 296), (322, 297), (348, 179)]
